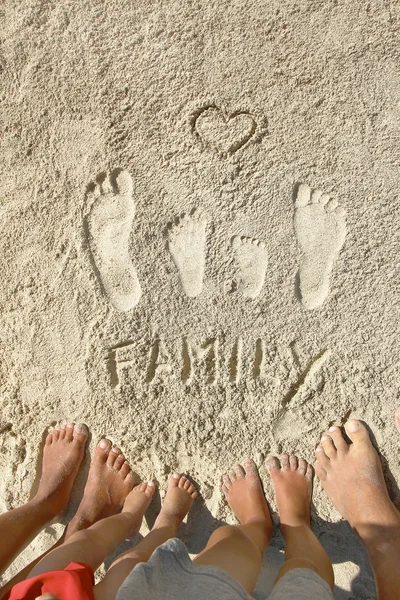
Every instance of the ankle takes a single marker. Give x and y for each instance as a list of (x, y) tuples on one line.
[(44, 508), (168, 522)]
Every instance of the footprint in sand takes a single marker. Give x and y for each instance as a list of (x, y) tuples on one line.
[(186, 243), (252, 259), (320, 228), (108, 226)]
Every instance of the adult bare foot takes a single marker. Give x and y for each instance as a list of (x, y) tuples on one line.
[(352, 476), (62, 455), (179, 498), (110, 480), (292, 479), (244, 494)]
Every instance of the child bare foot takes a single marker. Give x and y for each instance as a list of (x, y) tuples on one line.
[(292, 479), (62, 455), (351, 475), (137, 502), (245, 496), (177, 502), (110, 480)]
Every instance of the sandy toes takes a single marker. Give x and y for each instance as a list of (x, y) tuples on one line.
[(292, 479), (62, 455), (179, 498), (244, 494), (351, 475), (109, 481)]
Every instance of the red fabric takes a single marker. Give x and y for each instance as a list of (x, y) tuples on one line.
[(75, 582)]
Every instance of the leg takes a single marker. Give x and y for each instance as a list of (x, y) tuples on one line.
[(353, 479), (93, 545), (239, 549), (109, 482), (179, 499), (62, 455), (292, 479)]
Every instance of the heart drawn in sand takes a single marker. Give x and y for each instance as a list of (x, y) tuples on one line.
[(224, 133)]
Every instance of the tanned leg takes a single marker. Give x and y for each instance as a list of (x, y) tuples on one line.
[(178, 500), (351, 475), (62, 455), (292, 479), (239, 549)]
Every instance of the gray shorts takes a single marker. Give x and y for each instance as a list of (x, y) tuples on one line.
[(171, 575)]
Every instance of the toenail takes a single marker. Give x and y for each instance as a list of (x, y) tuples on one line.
[(319, 449), (79, 428), (353, 426), (150, 483), (324, 438), (103, 444), (333, 428), (176, 476)]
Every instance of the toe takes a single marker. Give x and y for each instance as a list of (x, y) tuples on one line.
[(320, 471), (322, 458), (285, 462), (328, 446), (113, 455), (332, 204), (125, 469), (124, 182), (175, 479), (357, 432), (80, 433), (309, 473), (226, 481), (49, 439), (315, 196), (62, 432), (187, 485), (69, 432), (303, 195), (182, 482), (240, 472), (225, 490), (273, 463), (119, 462), (55, 434), (232, 475), (103, 449), (150, 489), (250, 467), (338, 439), (294, 463), (302, 466)]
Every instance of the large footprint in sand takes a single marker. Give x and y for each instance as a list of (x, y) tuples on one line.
[(109, 225), (320, 228), (252, 259), (186, 243)]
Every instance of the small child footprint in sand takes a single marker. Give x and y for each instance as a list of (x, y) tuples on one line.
[(252, 259), (109, 225), (320, 228), (186, 243)]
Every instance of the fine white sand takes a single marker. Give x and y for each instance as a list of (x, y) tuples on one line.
[(199, 240)]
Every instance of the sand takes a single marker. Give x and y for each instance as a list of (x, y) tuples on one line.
[(199, 239)]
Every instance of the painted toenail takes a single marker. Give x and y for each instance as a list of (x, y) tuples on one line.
[(353, 426), (333, 428), (103, 444)]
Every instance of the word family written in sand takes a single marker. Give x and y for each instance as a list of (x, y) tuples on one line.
[(214, 360)]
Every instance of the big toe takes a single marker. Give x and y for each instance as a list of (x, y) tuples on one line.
[(80, 433), (357, 432)]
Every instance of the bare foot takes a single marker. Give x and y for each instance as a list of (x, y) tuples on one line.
[(178, 500), (245, 496), (137, 502), (292, 479), (62, 455), (352, 477), (110, 480)]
